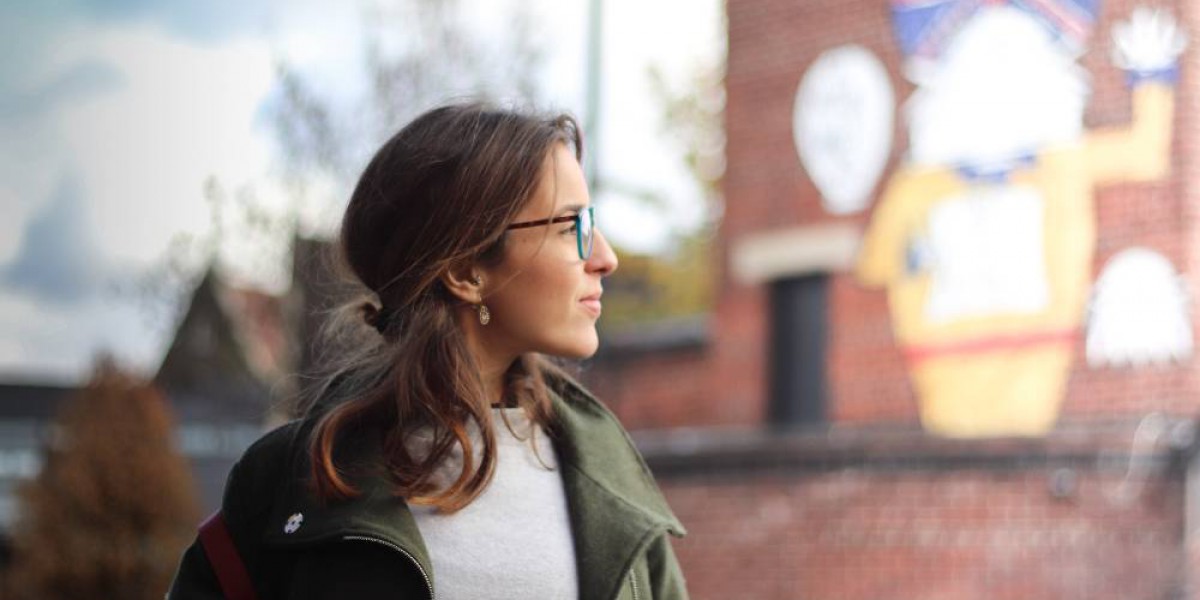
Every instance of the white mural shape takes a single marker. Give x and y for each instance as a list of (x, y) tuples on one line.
[(1149, 42), (1139, 313), (987, 255), (842, 124), (987, 108)]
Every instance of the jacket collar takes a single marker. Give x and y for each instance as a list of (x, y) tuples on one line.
[(598, 450), (615, 507)]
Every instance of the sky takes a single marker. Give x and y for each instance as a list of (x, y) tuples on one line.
[(115, 113)]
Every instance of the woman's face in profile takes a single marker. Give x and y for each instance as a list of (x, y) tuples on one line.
[(542, 296)]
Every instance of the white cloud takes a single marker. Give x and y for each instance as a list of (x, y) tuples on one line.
[(11, 225), (185, 113), (44, 344), (141, 150)]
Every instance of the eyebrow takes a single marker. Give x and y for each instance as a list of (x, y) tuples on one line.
[(571, 208)]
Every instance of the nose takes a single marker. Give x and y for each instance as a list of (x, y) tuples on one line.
[(603, 260)]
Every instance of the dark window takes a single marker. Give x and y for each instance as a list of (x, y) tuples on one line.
[(798, 347)]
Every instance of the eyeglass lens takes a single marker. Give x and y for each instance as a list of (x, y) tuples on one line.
[(586, 232)]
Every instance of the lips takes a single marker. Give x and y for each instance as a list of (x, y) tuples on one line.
[(592, 303)]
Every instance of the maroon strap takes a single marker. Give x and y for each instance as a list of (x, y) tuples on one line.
[(223, 555)]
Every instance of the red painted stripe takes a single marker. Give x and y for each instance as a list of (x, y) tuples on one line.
[(991, 344)]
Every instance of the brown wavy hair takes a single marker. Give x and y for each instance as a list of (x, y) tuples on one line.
[(438, 193)]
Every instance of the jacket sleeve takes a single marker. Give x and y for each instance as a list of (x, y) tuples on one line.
[(666, 578), (195, 579), (354, 570)]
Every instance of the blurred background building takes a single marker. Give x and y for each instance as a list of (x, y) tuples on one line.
[(951, 354)]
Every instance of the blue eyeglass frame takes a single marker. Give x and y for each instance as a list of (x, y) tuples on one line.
[(580, 221)]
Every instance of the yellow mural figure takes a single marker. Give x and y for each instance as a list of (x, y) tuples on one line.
[(984, 237)]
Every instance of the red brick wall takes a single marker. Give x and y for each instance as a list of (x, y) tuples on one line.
[(1187, 186), (653, 390), (1186, 165), (866, 370), (955, 535)]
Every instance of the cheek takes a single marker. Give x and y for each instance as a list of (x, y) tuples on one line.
[(547, 275), (553, 290), (541, 286), (530, 297)]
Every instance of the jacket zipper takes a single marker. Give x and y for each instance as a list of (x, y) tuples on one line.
[(633, 584), (406, 553)]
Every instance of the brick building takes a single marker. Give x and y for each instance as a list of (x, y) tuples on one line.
[(818, 437)]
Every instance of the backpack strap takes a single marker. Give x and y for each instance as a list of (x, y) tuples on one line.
[(225, 560)]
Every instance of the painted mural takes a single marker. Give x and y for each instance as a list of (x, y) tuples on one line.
[(1139, 313), (842, 124), (984, 236)]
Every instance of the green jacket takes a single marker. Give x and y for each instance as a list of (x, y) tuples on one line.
[(370, 547)]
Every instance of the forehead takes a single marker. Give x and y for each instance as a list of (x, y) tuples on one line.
[(560, 185)]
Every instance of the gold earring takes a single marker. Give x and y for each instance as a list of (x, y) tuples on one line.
[(485, 315)]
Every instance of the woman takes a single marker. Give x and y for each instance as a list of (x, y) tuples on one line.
[(444, 456)]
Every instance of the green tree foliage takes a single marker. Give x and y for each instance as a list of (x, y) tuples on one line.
[(114, 504), (648, 288), (693, 114), (681, 282)]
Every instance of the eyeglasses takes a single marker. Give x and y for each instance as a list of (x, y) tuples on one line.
[(585, 229)]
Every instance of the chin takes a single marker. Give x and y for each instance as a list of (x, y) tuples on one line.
[(584, 346)]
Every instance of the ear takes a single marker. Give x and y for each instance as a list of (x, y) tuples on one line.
[(464, 282)]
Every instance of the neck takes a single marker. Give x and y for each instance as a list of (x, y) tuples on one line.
[(493, 380), (492, 363)]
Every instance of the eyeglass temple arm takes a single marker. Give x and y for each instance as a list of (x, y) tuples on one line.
[(542, 222)]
